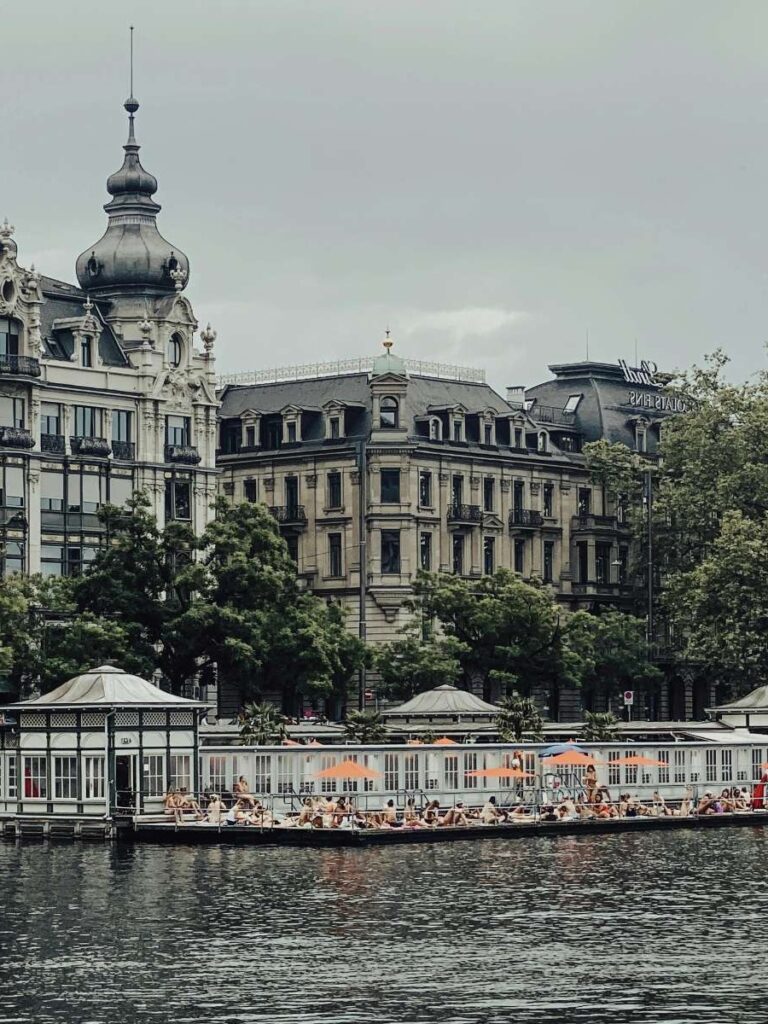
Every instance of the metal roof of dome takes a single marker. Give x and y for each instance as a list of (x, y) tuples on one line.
[(107, 686), (132, 254), (443, 700)]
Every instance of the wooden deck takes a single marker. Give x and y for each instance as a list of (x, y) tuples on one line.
[(249, 835)]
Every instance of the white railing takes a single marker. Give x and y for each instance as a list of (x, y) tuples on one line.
[(303, 371)]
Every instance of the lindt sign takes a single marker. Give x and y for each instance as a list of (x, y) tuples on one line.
[(645, 373)]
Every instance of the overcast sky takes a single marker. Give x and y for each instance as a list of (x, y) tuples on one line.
[(491, 179)]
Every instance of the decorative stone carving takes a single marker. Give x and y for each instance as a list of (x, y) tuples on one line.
[(311, 480), (444, 478), (208, 336), (505, 485), (535, 488), (474, 482), (269, 483)]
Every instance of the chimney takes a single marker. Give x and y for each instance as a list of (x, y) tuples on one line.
[(516, 395)]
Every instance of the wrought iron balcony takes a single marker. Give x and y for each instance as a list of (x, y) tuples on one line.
[(24, 366), (526, 518), (289, 515), (124, 450), (186, 454), (471, 514), (53, 443), (97, 446), (16, 437)]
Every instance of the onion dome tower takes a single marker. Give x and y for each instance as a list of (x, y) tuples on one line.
[(132, 256)]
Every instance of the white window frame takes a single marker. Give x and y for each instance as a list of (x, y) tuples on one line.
[(65, 772), (153, 775), (38, 775), (93, 777)]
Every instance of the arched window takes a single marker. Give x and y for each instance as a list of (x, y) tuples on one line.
[(543, 442), (9, 337), (174, 350), (389, 412), (435, 429), (86, 350)]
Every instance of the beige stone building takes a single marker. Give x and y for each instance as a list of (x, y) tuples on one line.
[(399, 467)]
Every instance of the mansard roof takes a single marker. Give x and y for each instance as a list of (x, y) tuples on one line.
[(62, 301)]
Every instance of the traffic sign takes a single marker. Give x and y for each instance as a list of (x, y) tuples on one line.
[(629, 698)]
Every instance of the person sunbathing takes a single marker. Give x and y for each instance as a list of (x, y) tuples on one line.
[(172, 806), (188, 803), (306, 813), (242, 792), (605, 809), (707, 803), (489, 815), (432, 813), (410, 813)]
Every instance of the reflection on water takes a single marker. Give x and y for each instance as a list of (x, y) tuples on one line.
[(657, 928)]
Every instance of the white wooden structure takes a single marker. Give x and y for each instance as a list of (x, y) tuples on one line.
[(101, 744)]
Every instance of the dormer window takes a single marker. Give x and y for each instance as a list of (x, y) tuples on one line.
[(435, 429), (174, 350), (641, 436), (458, 430), (389, 413), (543, 442), (572, 404), (334, 426), (291, 433), (86, 350)]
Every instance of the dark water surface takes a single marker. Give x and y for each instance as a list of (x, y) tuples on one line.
[(668, 927)]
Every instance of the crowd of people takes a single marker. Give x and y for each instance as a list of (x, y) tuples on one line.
[(241, 808)]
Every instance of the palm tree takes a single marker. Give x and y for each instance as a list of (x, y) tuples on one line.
[(599, 726), (261, 724), (365, 727), (518, 716)]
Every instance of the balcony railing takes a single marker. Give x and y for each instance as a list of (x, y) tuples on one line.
[(24, 366), (588, 521), (526, 517), (53, 443), (98, 446), (289, 515), (184, 453), (547, 414), (464, 513), (124, 450), (16, 437)]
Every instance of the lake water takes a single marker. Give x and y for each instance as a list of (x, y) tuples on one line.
[(668, 927)]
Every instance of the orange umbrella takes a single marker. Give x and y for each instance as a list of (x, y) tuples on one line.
[(501, 773), (444, 741), (347, 770), (572, 758), (637, 760)]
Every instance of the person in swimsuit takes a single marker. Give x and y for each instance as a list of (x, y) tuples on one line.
[(590, 783), (490, 814)]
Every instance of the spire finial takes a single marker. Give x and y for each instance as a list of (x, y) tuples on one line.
[(387, 343), (131, 104), (131, 92)]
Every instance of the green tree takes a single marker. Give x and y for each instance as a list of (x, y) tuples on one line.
[(518, 717), (249, 616), (261, 724), (510, 632), (616, 470), (599, 726), (365, 727), (412, 664)]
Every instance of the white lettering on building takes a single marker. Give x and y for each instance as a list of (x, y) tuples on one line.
[(645, 373)]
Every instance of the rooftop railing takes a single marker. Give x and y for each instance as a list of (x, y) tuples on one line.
[(335, 368)]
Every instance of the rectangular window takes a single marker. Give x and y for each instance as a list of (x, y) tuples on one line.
[(489, 494), (91, 492), (177, 430), (663, 755), (121, 425), (292, 493), (519, 438), (262, 773), (425, 489), (457, 489), (334, 554), (153, 775), (250, 437), (87, 421), (451, 772), (582, 551), (603, 563), (13, 561), (457, 431), (548, 561), (711, 766), (487, 434), (489, 555), (120, 490), (390, 486), (425, 551), (50, 418), (470, 765), (65, 778), (12, 494), (291, 433), (518, 495), (458, 554), (11, 411), (585, 501), (180, 771), (519, 553), (86, 351), (217, 773), (35, 778), (390, 551), (549, 500), (411, 771), (334, 490), (572, 404), (249, 490), (335, 428), (292, 543), (679, 762), (391, 772), (13, 790), (727, 766), (177, 500), (51, 560), (93, 778)]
